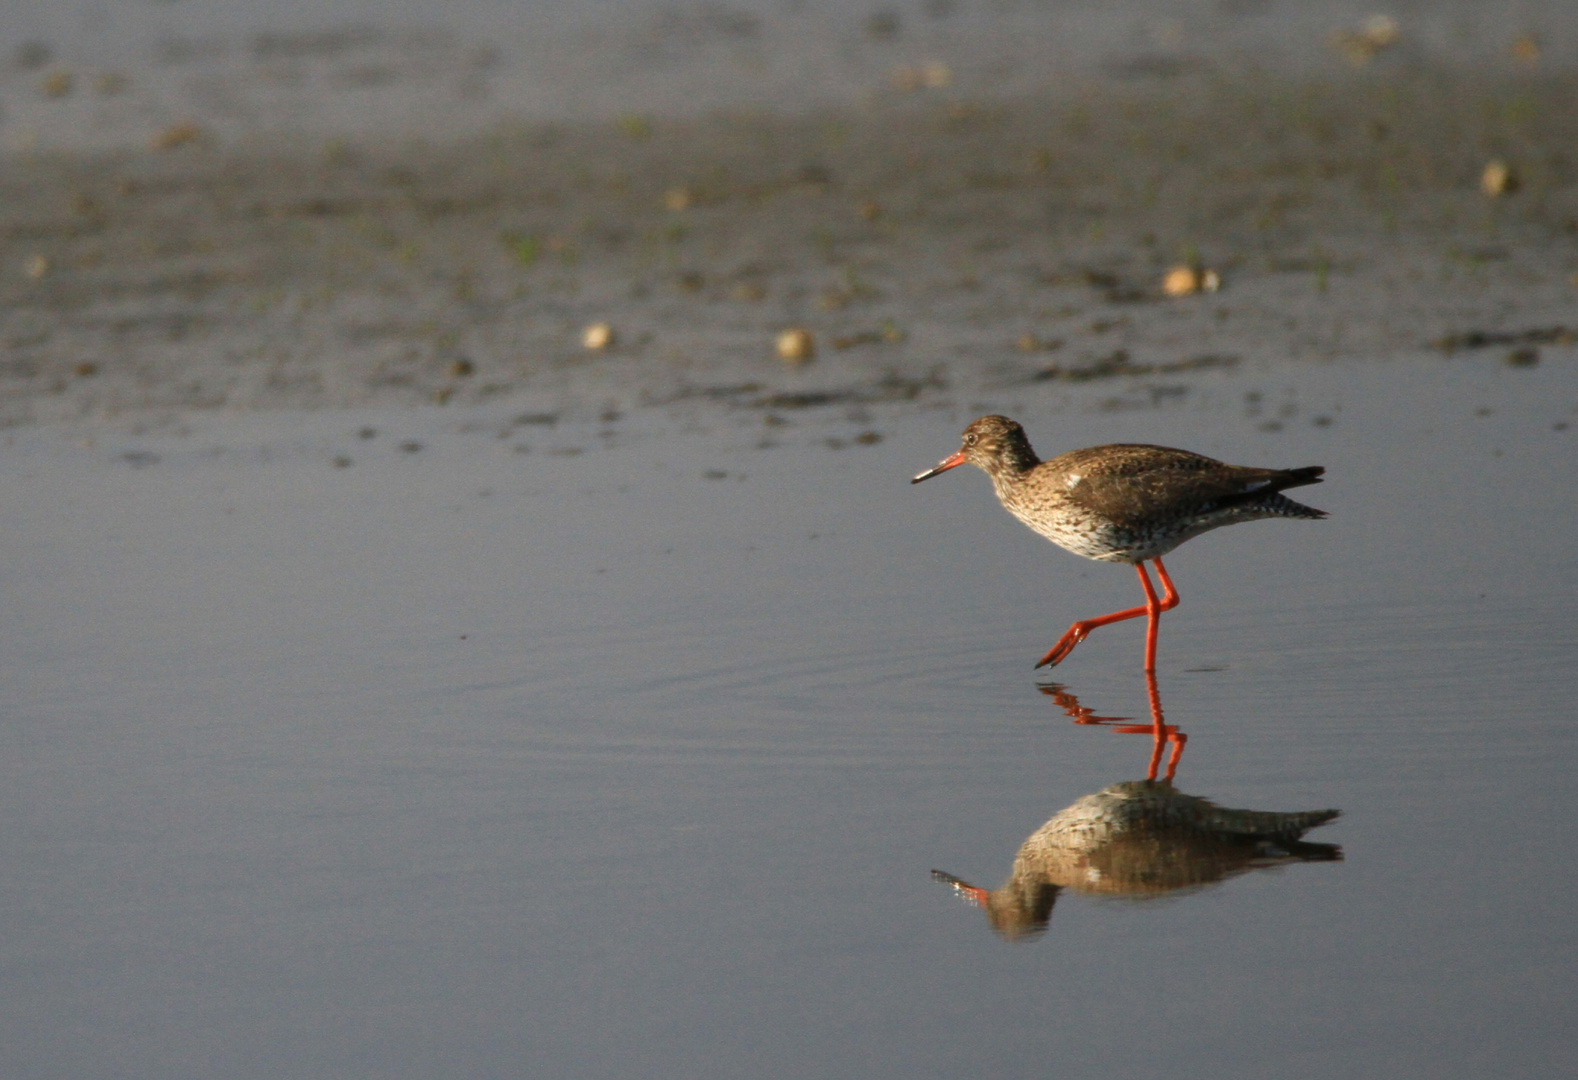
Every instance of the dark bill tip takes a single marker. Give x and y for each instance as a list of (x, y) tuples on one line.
[(942, 466)]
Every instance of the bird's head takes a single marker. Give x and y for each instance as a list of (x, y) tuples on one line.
[(992, 443)]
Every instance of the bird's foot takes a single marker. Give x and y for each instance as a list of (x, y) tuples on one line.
[(1065, 645)]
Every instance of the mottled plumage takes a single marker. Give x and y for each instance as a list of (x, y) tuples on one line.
[(1127, 502), (1139, 839)]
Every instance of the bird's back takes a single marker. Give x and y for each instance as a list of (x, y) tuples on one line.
[(1131, 501)]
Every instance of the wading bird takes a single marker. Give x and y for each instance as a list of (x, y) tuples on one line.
[(1125, 502)]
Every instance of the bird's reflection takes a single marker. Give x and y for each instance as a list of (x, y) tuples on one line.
[(1139, 839)]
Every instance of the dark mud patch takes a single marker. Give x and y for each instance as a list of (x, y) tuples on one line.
[(1118, 364), (1484, 339)]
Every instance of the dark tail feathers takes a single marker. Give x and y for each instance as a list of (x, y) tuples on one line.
[(1292, 478)]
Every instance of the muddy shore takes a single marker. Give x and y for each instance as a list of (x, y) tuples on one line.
[(933, 244)]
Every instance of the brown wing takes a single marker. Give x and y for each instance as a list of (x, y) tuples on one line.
[(1134, 483)]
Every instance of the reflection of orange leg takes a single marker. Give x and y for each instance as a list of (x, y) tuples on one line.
[(1163, 734), (1179, 738), (1160, 731), (1154, 606), (1076, 712)]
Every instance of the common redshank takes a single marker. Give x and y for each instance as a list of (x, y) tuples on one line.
[(1126, 502)]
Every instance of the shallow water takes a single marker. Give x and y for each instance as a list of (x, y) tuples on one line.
[(465, 761)]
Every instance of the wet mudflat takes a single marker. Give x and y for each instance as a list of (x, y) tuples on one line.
[(431, 763), (932, 246)]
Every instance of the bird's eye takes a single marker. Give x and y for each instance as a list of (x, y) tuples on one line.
[(969, 440)]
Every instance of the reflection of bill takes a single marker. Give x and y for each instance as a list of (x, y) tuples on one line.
[(1139, 839)]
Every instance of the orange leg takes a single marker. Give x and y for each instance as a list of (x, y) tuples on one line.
[(1154, 606)]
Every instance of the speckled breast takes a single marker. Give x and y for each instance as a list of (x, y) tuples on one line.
[(1102, 539), (1094, 536)]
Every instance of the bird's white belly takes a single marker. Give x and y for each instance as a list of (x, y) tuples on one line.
[(1098, 539)]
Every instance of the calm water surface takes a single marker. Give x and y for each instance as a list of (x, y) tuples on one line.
[(467, 762)]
